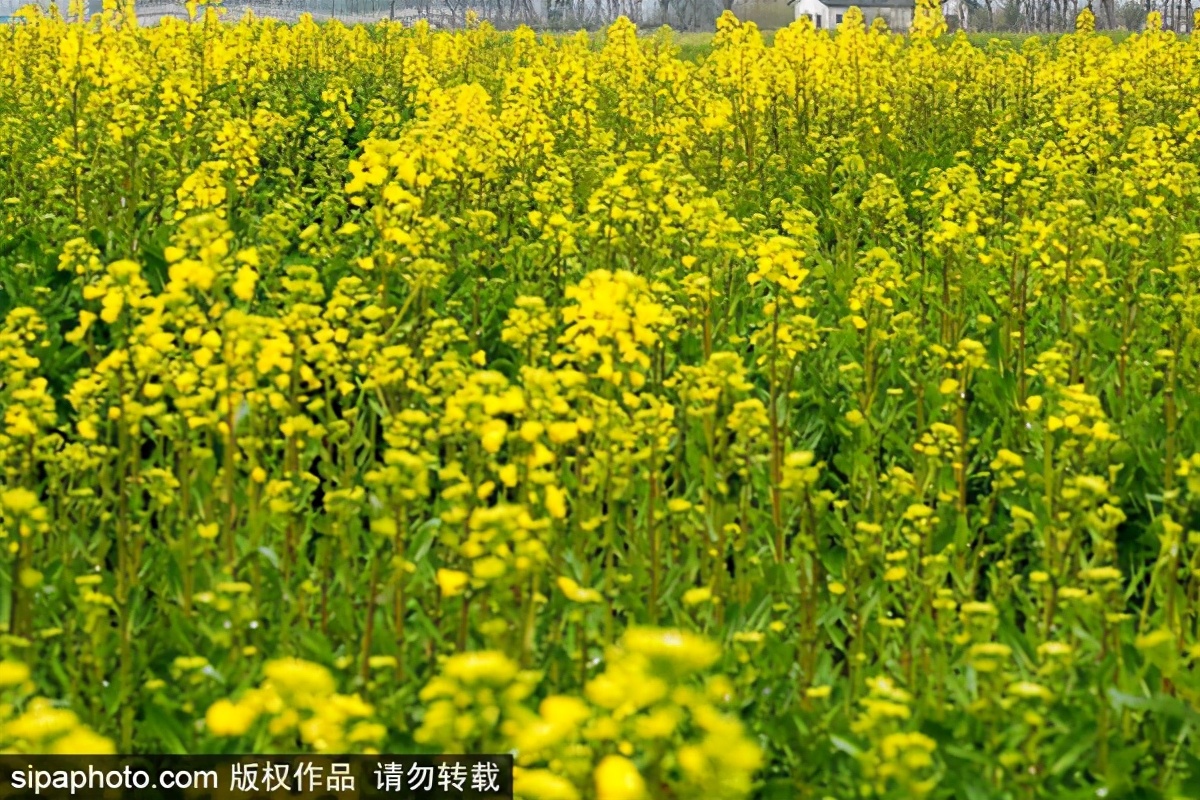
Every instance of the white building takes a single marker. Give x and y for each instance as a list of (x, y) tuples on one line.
[(897, 14)]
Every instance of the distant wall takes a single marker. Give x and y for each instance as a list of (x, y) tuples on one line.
[(897, 19), (766, 14)]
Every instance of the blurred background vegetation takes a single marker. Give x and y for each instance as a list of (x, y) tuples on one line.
[(1008, 20)]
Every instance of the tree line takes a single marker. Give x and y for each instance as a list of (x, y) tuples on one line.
[(1014, 16)]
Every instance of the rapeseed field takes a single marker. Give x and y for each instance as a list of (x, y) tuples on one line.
[(812, 420)]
